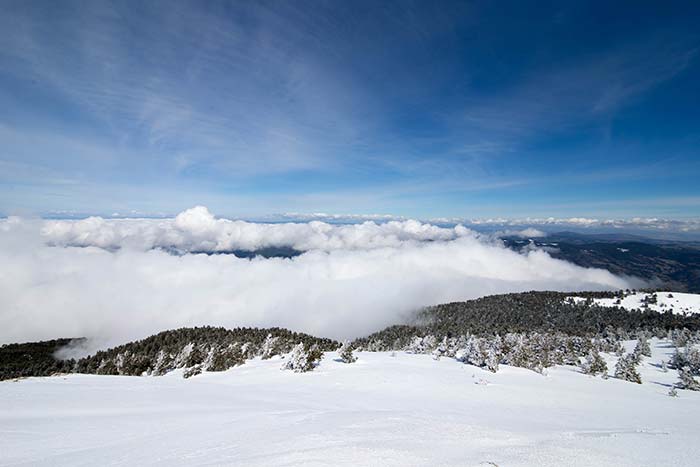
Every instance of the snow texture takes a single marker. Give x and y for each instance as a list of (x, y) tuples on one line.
[(678, 303), (406, 410)]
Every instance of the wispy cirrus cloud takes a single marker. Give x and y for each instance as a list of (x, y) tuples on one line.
[(312, 106)]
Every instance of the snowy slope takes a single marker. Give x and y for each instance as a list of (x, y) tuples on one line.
[(396, 411), (678, 303)]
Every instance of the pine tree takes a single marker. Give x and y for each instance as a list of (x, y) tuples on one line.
[(296, 360), (416, 345), (594, 364), (493, 357), (346, 354), (440, 349), (270, 347), (625, 369), (301, 360), (643, 347), (686, 380)]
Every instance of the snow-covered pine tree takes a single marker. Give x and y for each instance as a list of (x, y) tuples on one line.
[(440, 349), (692, 359), (643, 347), (314, 356), (636, 355), (416, 345), (301, 360), (346, 354), (664, 366), (493, 356), (686, 380), (594, 364), (476, 351), (625, 369), (677, 359), (270, 347), (296, 359)]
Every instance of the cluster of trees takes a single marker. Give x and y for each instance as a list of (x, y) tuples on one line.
[(543, 312), (202, 349), (33, 359), (687, 362), (532, 330), (534, 350)]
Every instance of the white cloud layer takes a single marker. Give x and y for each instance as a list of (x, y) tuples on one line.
[(352, 280), (197, 230)]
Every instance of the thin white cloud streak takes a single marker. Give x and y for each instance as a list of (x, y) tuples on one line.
[(48, 292), (687, 225)]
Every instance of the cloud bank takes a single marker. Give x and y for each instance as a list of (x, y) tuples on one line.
[(103, 279), (197, 230), (657, 227)]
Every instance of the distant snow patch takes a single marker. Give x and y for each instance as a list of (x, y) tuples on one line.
[(678, 303)]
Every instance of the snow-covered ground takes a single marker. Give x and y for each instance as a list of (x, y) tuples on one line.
[(678, 303), (401, 411)]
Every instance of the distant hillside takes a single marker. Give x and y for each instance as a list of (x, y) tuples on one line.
[(194, 349), (533, 330), (33, 359), (197, 349), (543, 312), (675, 265)]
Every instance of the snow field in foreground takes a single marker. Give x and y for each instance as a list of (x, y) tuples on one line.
[(400, 410)]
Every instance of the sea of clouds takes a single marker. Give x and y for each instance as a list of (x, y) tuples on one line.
[(118, 280)]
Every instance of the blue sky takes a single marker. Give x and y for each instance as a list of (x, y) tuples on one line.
[(423, 109)]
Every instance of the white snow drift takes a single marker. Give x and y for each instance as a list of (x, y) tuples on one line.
[(675, 302), (407, 410), (352, 280)]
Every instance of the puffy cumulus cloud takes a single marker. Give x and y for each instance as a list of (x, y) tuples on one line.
[(197, 230), (118, 295)]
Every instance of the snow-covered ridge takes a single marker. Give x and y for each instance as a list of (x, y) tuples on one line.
[(676, 302)]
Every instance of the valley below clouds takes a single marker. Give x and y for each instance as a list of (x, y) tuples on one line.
[(119, 280)]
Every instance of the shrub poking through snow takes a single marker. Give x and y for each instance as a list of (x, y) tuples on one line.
[(672, 392), (192, 371), (686, 380), (346, 354), (626, 369), (301, 359), (594, 364)]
